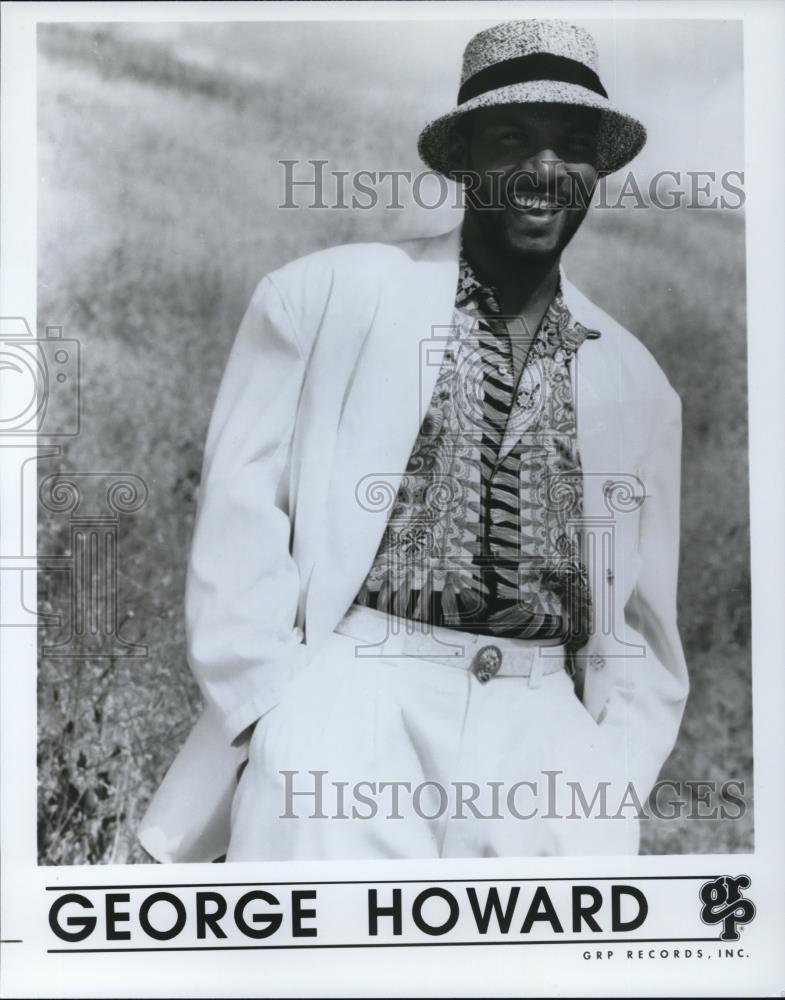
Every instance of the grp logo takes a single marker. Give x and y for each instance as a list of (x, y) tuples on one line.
[(724, 904)]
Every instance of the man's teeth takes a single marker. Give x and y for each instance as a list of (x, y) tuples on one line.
[(532, 201)]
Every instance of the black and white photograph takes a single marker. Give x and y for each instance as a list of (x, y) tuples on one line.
[(389, 456), (430, 453)]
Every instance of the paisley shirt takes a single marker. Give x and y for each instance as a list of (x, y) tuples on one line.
[(484, 533)]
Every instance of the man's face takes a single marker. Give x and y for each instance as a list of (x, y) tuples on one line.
[(545, 159)]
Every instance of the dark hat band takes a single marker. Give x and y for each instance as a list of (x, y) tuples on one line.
[(525, 69)]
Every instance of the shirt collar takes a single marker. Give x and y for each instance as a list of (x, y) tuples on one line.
[(473, 292), (473, 295)]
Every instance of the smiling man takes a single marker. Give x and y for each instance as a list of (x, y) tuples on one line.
[(540, 161), (431, 599)]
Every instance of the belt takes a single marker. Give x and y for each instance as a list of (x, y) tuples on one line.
[(484, 656)]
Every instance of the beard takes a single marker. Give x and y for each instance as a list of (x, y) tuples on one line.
[(526, 222)]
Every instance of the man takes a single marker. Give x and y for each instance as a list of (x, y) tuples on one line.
[(437, 543)]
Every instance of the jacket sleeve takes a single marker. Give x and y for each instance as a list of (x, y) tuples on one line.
[(645, 708), (242, 587)]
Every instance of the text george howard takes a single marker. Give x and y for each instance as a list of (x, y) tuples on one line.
[(201, 915)]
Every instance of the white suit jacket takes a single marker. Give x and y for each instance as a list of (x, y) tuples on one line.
[(328, 380)]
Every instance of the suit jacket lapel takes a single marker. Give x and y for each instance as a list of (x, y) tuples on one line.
[(389, 394), (598, 389)]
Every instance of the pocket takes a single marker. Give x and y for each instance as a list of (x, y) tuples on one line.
[(259, 729), (589, 738), (308, 692), (584, 712), (569, 702)]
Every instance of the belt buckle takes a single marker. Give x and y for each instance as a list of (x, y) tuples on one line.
[(487, 663)]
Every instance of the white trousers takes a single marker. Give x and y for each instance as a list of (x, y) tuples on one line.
[(404, 757)]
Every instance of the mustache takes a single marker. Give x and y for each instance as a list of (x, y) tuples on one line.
[(500, 190), (537, 188), (555, 187)]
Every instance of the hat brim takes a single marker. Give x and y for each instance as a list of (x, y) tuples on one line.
[(621, 137)]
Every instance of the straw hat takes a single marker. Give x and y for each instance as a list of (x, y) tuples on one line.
[(524, 62)]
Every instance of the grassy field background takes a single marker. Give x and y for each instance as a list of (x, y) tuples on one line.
[(157, 216)]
